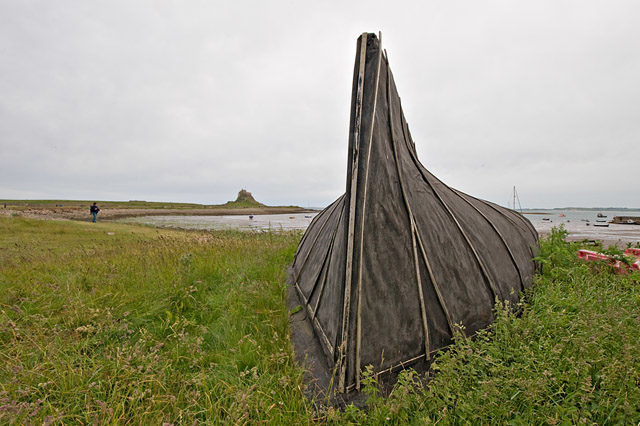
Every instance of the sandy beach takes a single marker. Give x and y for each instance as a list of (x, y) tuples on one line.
[(615, 235)]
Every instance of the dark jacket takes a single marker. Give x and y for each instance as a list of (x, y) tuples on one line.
[(94, 209)]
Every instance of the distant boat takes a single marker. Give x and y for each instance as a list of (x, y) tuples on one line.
[(515, 197), (626, 220), (307, 217), (561, 215), (601, 215), (546, 218), (603, 225)]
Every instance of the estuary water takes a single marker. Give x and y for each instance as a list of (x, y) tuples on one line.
[(579, 223), (583, 225), (266, 222)]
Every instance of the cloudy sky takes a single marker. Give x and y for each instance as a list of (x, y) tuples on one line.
[(193, 100)]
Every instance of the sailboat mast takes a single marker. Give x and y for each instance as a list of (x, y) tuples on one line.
[(516, 197)]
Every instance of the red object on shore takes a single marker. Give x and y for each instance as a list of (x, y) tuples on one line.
[(592, 255), (621, 267), (632, 252)]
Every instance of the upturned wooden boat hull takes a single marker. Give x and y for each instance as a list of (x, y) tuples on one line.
[(389, 270)]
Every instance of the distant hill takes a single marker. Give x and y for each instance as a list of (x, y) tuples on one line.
[(244, 200)]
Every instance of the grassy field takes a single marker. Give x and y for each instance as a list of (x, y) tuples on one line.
[(115, 323), (112, 210), (132, 204)]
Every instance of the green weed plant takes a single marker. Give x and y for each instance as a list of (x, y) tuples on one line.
[(113, 323)]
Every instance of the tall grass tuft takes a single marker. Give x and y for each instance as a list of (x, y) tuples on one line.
[(144, 325)]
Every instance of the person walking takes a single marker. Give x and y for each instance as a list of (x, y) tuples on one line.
[(94, 212)]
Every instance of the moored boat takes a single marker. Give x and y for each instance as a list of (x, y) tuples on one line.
[(626, 220)]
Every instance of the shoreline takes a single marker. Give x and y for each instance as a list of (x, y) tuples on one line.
[(109, 214), (606, 241), (609, 237)]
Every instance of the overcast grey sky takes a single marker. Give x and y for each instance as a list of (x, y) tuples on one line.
[(193, 100)]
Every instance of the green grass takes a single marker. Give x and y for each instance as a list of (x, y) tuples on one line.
[(151, 326), (144, 325), (133, 204), (243, 204)]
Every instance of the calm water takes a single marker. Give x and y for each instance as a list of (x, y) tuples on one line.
[(579, 223), (272, 222)]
